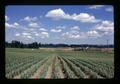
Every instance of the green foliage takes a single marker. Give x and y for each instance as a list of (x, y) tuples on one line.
[(74, 64)]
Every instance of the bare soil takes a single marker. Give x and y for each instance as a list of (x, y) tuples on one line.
[(38, 72), (49, 72), (60, 70)]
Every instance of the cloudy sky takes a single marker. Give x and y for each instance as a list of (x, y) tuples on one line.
[(70, 24)]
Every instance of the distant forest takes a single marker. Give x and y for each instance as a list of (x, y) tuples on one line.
[(18, 44)]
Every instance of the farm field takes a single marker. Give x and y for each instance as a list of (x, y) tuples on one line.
[(53, 63)]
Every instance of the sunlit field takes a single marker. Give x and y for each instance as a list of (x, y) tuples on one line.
[(58, 63)]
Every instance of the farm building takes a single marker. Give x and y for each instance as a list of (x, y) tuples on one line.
[(81, 49)]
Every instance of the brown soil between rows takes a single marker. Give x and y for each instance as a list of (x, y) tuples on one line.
[(49, 72), (51, 69), (17, 77), (38, 72), (59, 68)]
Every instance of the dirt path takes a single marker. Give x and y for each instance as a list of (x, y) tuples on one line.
[(17, 77), (38, 72), (59, 68), (87, 77), (50, 69), (61, 73), (49, 72)]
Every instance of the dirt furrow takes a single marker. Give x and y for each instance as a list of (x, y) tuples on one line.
[(63, 70), (38, 72), (50, 69), (59, 68), (61, 73), (17, 77), (49, 72)]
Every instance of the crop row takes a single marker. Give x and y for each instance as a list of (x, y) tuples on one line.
[(69, 67)]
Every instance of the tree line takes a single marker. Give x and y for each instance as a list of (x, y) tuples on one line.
[(18, 44)]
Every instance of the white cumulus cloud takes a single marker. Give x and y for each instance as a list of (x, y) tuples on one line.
[(106, 26), (93, 33), (96, 6), (28, 18), (43, 29), (41, 34), (55, 30), (6, 18), (75, 36), (70, 35), (14, 25), (44, 34), (110, 9), (33, 24), (36, 34), (26, 34), (60, 14), (75, 28), (17, 34), (30, 37), (56, 13)]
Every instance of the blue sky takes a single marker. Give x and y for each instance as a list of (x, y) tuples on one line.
[(71, 24)]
